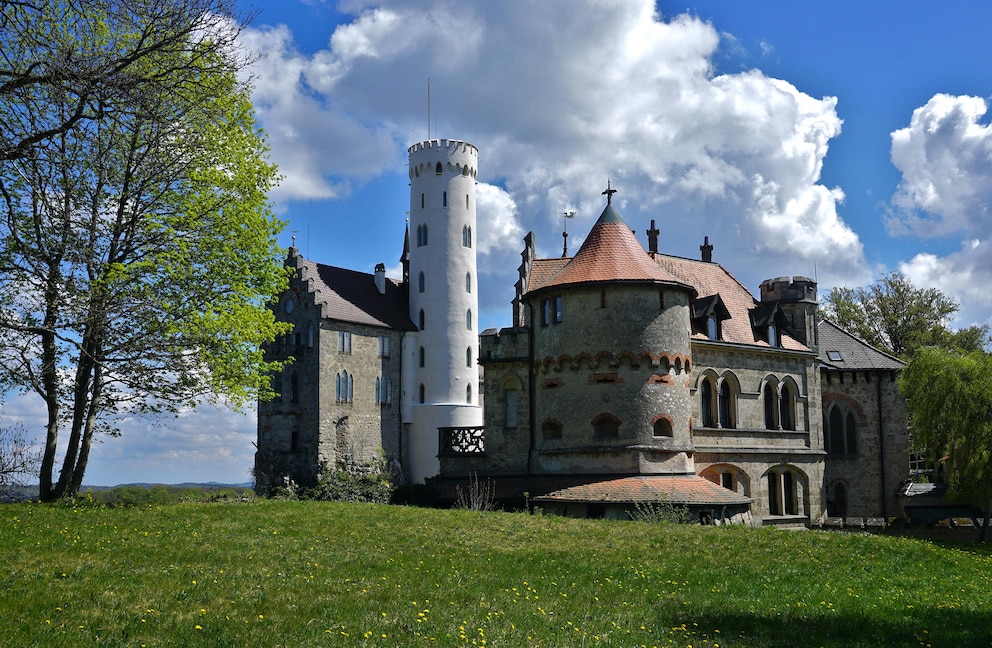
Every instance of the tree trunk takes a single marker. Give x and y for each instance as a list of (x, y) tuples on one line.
[(983, 534)]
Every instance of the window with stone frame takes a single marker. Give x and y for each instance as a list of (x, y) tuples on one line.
[(707, 403), (770, 402), (841, 437), (727, 402), (344, 342), (783, 491), (787, 407)]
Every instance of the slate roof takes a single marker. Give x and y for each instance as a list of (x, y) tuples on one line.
[(855, 353), (351, 296), (674, 489), (610, 252)]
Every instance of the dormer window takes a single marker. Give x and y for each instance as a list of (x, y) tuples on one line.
[(772, 335), (712, 327), (707, 315)]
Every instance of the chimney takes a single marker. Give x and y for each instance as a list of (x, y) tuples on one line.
[(707, 250), (380, 278), (653, 238)]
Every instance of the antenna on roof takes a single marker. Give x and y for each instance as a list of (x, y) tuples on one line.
[(428, 108), (564, 231)]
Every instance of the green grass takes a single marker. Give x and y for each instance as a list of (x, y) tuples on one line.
[(310, 574)]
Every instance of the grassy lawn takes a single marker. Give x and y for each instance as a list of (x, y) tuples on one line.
[(308, 574)]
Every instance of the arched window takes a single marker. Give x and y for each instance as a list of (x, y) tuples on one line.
[(468, 393), (726, 403), (706, 398), (787, 408), (423, 357), (337, 388), (662, 426), (768, 396), (468, 357), (421, 282), (466, 195), (438, 169), (841, 434), (551, 429), (421, 319), (422, 393), (468, 319), (783, 491), (837, 500), (606, 425), (467, 236), (468, 282)]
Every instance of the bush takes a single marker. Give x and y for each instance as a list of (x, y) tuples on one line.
[(661, 511), (370, 483)]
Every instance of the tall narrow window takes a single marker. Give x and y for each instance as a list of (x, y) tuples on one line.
[(421, 319), (545, 312), (772, 335), (851, 439), (388, 394), (421, 282), (423, 357), (466, 201), (294, 388), (421, 201), (468, 393), (351, 389), (444, 199), (383, 346), (378, 390), (438, 170), (712, 328), (468, 357), (558, 311), (768, 396), (726, 405), (468, 319), (422, 393), (787, 405), (337, 388), (344, 386), (468, 282), (511, 398), (706, 403)]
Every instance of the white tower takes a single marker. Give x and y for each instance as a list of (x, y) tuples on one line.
[(440, 371)]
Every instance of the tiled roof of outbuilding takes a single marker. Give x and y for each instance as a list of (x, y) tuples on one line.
[(351, 296), (854, 353), (610, 252), (674, 489)]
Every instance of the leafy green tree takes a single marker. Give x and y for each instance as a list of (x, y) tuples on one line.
[(137, 249), (896, 316), (949, 403)]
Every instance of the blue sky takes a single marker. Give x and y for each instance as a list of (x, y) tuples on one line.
[(842, 139)]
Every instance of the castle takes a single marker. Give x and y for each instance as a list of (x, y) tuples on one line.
[(627, 376)]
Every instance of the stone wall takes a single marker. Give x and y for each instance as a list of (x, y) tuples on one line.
[(880, 430), (749, 451)]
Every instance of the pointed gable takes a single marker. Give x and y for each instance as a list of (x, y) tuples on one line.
[(611, 253)]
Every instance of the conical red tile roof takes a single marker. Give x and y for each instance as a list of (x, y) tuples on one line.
[(611, 253)]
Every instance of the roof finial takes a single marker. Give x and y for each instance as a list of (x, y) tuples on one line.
[(609, 192)]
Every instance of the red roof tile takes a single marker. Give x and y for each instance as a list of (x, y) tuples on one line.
[(611, 253), (674, 489)]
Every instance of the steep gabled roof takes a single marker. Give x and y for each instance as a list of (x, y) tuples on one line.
[(351, 296), (711, 279), (610, 252), (841, 350)]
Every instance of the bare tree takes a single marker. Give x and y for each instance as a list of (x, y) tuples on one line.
[(19, 460)]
